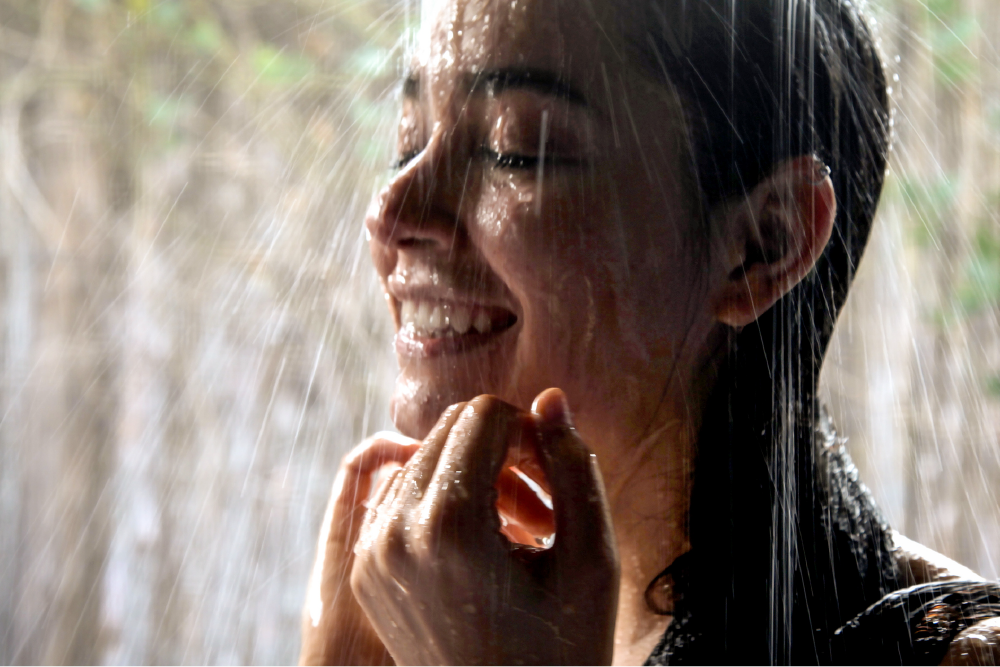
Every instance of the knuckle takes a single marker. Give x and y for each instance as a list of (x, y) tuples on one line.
[(355, 458), (487, 405), (362, 579), (394, 551), (386, 554)]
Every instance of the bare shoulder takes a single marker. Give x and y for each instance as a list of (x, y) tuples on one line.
[(922, 565), (977, 645)]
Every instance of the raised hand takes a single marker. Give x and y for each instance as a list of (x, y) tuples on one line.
[(335, 630), (440, 582)]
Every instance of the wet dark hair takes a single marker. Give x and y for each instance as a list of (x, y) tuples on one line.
[(786, 544)]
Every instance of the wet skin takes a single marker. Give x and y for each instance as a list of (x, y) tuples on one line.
[(553, 250), (540, 231), (583, 260)]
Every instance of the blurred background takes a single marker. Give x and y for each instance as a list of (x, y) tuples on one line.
[(191, 334)]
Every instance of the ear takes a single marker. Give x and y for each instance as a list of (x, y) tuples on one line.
[(773, 238)]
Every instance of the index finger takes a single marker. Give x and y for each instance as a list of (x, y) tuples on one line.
[(473, 455), (353, 483)]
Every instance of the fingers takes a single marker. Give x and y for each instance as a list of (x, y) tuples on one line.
[(461, 476), (353, 483), (470, 463), (421, 467), (389, 484), (329, 604), (579, 502)]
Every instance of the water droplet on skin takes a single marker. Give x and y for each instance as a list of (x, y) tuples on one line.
[(469, 608)]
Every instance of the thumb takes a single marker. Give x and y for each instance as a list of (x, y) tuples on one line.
[(579, 501)]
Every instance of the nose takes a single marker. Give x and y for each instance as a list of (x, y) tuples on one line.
[(418, 209)]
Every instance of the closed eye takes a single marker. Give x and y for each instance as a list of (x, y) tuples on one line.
[(519, 161), (406, 158)]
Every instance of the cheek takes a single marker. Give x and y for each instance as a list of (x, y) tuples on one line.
[(567, 267), (571, 221), (542, 252)]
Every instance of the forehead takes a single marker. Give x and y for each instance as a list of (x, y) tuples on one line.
[(463, 37)]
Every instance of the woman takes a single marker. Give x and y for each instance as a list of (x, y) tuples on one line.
[(657, 207)]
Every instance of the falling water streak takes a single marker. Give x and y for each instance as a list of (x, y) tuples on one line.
[(238, 318), (543, 139)]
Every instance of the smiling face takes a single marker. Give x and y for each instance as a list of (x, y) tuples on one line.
[(541, 229)]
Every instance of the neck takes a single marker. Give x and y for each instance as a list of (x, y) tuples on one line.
[(649, 490), (649, 479)]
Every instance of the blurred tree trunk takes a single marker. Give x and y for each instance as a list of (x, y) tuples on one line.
[(917, 344)]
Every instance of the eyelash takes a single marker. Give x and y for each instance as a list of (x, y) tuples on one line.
[(515, 161), (405, 159)]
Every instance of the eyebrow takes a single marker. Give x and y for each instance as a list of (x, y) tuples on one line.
[(511, 78), (541, 81)]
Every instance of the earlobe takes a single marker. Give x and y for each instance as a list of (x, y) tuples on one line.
[(774, 239)]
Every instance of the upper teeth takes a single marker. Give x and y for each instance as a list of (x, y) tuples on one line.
[(427, 318)]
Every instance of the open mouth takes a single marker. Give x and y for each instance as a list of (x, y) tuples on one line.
[(441, 326)]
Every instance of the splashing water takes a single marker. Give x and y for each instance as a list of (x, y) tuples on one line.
[(193, 335)]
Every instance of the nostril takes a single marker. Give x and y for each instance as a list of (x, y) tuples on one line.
[(415, 243)]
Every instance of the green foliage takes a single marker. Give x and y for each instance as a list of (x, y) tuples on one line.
[(925, 202), (979, 286), (952, 29), (205, 37), (954, 63), (278, 67), (169, 15), (369, 61), (164, 113), (91, 6)]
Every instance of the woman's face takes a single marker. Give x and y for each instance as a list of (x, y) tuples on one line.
[(541, 228)]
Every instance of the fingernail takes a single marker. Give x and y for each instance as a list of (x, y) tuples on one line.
[(551, 405)]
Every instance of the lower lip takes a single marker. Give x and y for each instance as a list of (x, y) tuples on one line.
[(409, 345)]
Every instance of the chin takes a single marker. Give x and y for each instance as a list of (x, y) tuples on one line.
[(426, 387), (417, 406)]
